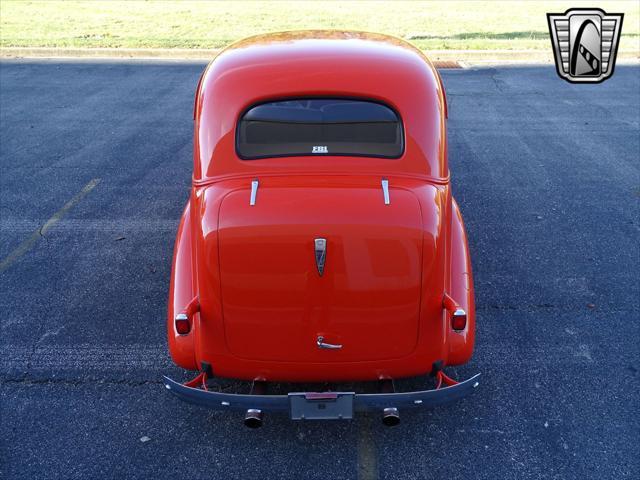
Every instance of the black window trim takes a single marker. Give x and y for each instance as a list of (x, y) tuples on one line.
[(319, 97)]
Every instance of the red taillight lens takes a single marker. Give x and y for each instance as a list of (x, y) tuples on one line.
[(459, 320), (183, 326)]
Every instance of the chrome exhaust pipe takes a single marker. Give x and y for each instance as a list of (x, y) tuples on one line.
[(390, 417), (253, 418)]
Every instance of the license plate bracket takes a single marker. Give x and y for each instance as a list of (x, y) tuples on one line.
[(321, 405)]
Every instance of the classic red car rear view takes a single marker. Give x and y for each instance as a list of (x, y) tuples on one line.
[(321, 242)]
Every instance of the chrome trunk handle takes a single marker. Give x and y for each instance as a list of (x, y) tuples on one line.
[(329, 346)]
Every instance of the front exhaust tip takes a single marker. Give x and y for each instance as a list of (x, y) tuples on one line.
[(390, 417), (253, 418)]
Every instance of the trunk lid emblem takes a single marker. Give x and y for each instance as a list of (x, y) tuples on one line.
[(321, 253)]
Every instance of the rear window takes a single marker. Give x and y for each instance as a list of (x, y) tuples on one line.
[(319, 126)]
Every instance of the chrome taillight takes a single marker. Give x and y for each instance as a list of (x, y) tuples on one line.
[(459, 320), (183, 325)]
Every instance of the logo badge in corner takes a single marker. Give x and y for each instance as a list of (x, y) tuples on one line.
[(585, 43), (321, 253)]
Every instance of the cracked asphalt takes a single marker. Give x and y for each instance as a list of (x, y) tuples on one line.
[(548, 178)]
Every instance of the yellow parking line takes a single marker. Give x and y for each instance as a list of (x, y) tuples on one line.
[(26, 245), (367, 458)]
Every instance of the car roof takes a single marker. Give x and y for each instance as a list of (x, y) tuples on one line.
[(320, 63)]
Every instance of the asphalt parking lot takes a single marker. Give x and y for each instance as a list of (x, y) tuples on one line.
[(95, 164)]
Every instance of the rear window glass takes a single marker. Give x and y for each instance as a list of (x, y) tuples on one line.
[(319, 126)]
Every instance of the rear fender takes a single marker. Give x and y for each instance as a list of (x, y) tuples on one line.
[(181, 292), (461, 290)]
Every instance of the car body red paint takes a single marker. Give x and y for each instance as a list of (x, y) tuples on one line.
[(246, 275)]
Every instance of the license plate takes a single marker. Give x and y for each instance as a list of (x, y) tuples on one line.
[(321, 406)]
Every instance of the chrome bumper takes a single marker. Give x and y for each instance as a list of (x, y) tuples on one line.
[(362, 402)]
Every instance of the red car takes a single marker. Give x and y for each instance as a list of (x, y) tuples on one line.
[(321, 242)]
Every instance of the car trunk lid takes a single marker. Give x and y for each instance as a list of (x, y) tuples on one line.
[(278, 299)]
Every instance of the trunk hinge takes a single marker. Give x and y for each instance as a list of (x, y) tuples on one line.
[(385, 191), (254, 192)]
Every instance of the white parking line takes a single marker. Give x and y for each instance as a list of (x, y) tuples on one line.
[(92, 225), (103, 358)]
